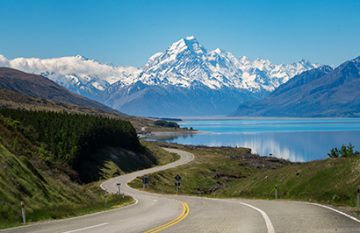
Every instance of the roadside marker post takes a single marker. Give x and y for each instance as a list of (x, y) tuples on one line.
[(23, 211), (276, 193), (177, 183), (358, 197), (105, 195), (118, 184), (146, 181)]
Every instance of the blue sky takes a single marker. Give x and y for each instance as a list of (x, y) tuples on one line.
[(127, 33)]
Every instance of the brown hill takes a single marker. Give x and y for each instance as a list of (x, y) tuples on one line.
[(13, 100), (39, 86)]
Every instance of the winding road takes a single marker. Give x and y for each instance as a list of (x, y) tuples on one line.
[(165, 213)]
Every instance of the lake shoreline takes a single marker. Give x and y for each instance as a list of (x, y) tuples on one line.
[(298, 140), (167, 134)]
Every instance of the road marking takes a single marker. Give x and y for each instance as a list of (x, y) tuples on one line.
[(337, 211), (265, 216), (87, 228), (173, 222)]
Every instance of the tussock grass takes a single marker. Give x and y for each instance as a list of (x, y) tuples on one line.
[(232, 172), (45, 197)]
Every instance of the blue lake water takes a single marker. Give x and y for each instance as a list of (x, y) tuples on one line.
[(298, 140)]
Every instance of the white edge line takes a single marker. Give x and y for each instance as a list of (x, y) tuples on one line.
[(269, 225), (337, 211), (67, 219), (87, 228), (84, 216)]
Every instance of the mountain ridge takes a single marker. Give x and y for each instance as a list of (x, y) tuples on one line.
[(321, 92), (185, 66), (39, 86)]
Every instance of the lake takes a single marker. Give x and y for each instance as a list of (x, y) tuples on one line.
[(297, 140)]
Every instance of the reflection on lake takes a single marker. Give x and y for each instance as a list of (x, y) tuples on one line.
[(296, 140)]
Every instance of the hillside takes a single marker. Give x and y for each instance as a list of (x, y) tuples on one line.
[(227, 172), (45, 156), (322, 92), (39, 86), (13, 100)]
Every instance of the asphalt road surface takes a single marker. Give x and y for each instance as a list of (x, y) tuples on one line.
[(165, 213)]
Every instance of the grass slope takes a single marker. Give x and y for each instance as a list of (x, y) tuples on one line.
[(49, 189), (47, 193), (234, 172)]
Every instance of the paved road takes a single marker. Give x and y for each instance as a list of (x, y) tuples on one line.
[(154, 212)]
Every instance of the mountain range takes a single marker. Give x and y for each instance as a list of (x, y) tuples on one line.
[(185, 80), (321, 92)]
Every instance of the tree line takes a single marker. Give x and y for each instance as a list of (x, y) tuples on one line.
[(71, 137), (166, 124)]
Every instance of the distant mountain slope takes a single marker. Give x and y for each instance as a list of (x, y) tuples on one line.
[(39, 86), (321, 92), (186, 79), (140, 99), (13, 100)]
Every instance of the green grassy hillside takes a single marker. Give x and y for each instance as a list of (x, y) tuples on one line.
[(83, 142), (49, 184), (234, 172)]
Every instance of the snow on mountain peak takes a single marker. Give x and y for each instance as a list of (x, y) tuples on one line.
[(217, 50), (194, 46), (177, 47), (185, 63), (188, 44), (81, 57)]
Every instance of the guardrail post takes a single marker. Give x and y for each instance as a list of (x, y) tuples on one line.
[(118, 184), (23, 211), (358, 197)]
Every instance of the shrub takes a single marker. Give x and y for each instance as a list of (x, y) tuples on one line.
[(166, 124), (345, 151)]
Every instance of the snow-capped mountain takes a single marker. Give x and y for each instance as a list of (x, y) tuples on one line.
[(187, 61), (321, 92), (186, 79), (78, 74)]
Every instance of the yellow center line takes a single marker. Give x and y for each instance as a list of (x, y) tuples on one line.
[(183, 215)]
